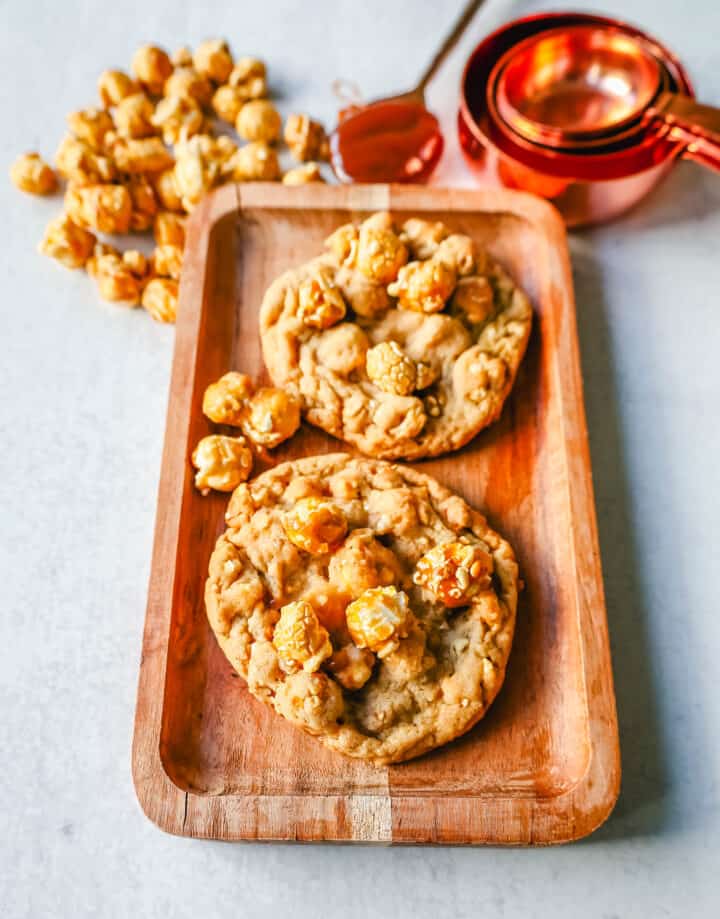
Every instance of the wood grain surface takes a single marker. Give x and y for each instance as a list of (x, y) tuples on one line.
[(543, 766)]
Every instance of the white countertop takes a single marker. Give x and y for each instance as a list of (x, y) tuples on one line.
[(83, 389)]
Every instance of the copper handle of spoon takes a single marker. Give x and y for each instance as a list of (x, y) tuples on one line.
[(463, 21), (696, 125)]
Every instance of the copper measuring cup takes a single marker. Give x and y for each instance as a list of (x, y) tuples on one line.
[(590, 86)]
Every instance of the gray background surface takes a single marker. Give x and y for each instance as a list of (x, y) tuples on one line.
[(83, 389)]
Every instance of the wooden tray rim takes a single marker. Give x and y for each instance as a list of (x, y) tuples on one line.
[(489, 819)]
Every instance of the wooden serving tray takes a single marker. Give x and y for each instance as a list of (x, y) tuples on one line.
[(543, 766)]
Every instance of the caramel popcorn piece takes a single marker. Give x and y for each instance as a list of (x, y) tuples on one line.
[(380, 255), (475, 298), (169, 229), (306, 138), (198, 168), (227, 102), (167, 261), (363, 562), (249, 77), (315, 525), (182, 57), (90, 126), (255, 162), (212, 59), (179, 118), (320, 303), (423, 286), (379, 618), (259, 120), (30, 173), (114, 86), (79, 164), (391, 369), (133, 116), (224, 401), (104, 208), (301, 175), (160, 298), (166, 190), (66, 242), (119, 277), (187, 83), (151, 67), (299, 639), (458, 252), (222, 462), (351, 666), (453, 573), (422, 237), (271, 417), (147, 154), (144, 203)]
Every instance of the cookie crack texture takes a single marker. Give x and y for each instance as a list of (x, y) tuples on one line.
[(367, 604), (404, 341)]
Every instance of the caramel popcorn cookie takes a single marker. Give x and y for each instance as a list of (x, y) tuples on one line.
[(364, 602), (403, 341)]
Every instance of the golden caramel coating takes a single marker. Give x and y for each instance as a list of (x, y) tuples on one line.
[(424, 286), (133, 116), (144, 203), (182, 57), (166, 190), (119, 278), (301, 175), (259, 120), (167, 261), (227, 102), (30, 173), (379, 618), (475, 298), (151, 67), (255, 162), (212, 59), (104, 208), (160, 298), (187, 83), (458, 252), (422, 237), (178, 118), (272, 416), (249, 77), (316, 525), (222, 463), (147, 154), (224, 401), (199, 166), (90, 126), (306, 138), (299, 639), (455, 572), (363, 562), (391, 369), (320, 303), (79, 164), (66, 242), (351, 666), (380, 254), (114, 86), (169, 229)]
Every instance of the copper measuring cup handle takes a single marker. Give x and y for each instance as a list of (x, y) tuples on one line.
[(698, 126)]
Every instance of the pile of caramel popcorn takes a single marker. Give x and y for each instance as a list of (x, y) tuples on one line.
[(147, 155)]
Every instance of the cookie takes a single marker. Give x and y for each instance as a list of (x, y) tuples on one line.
[(404, 342), (364, 602)]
